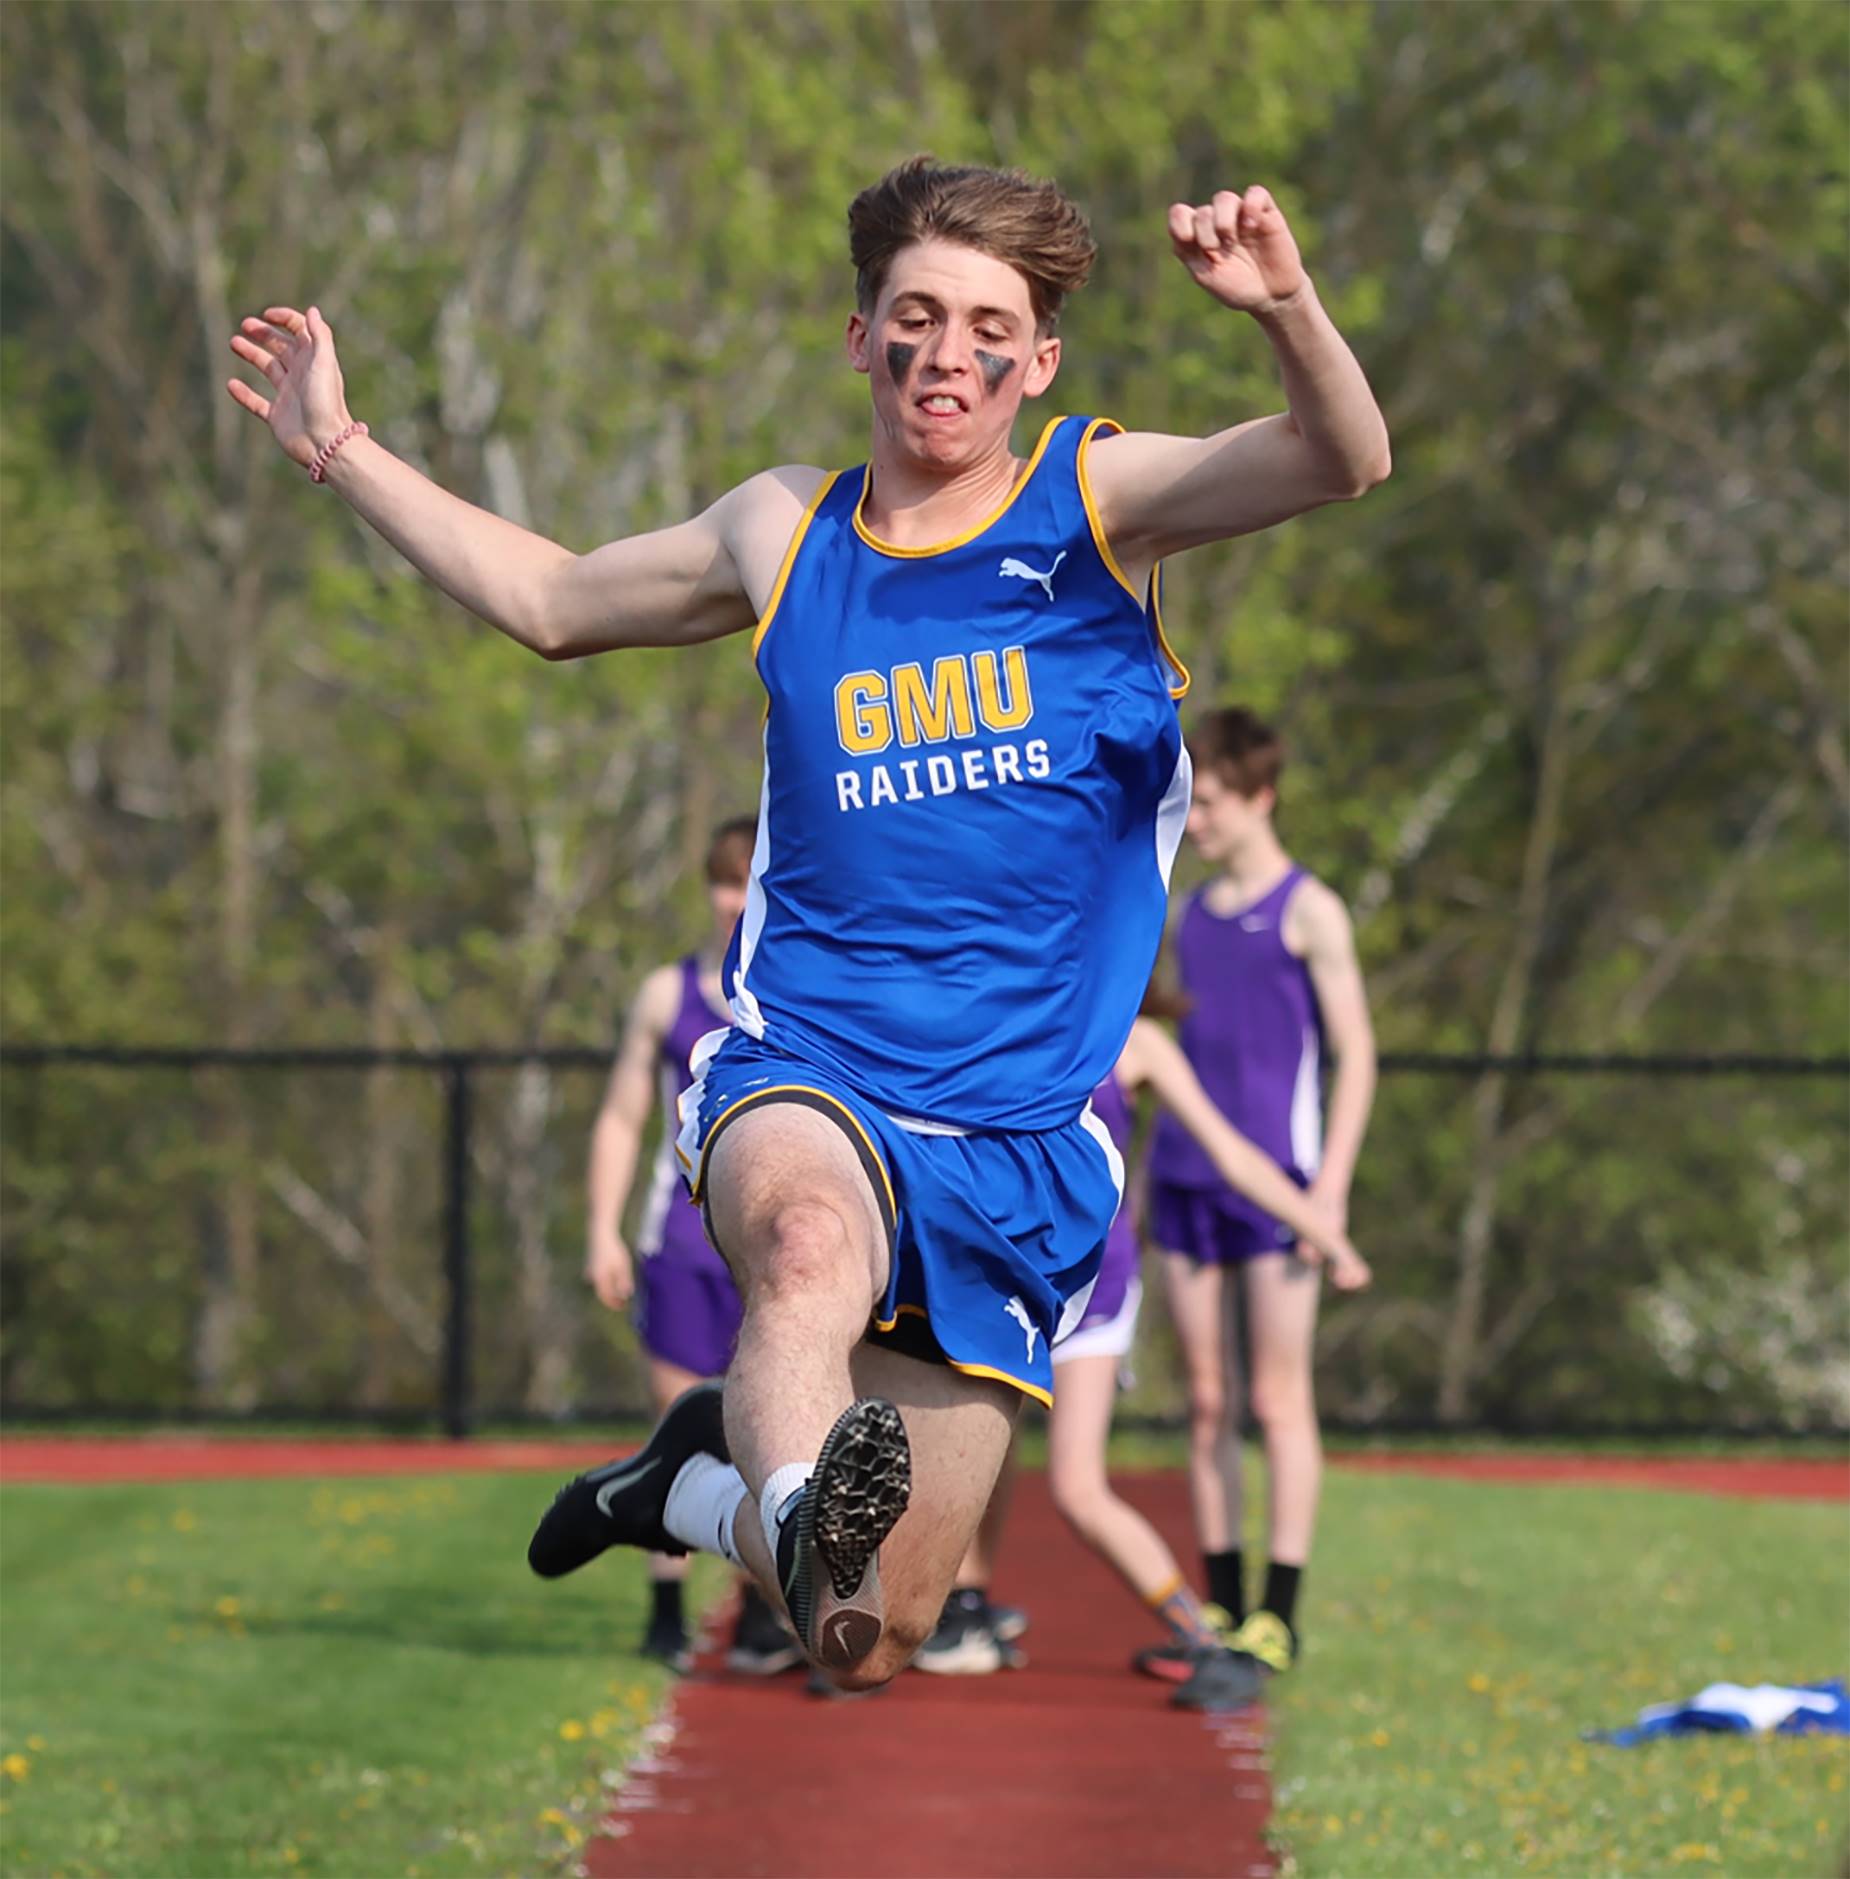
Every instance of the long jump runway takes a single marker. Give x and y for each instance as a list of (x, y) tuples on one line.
[(1073, 1765)]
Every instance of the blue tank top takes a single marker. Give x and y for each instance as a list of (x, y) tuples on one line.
[(1254, 1035), (974, 786)]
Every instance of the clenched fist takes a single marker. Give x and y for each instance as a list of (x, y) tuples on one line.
[(1239, 248)]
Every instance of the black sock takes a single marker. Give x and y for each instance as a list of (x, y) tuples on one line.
[(667, 1609), (1281, 1592), (1227, 1582)]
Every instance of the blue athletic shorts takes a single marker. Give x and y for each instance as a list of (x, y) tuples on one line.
[(995, 1239)]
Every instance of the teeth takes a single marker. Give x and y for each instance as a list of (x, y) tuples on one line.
[(942, 404)]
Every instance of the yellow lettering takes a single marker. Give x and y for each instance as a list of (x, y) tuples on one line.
[(941, 713), (862, 721), (1020, 707)]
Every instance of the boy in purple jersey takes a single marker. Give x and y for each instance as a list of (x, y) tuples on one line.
[(1267, 960), (849, 1473), (1086, 1366), (686, 1307)]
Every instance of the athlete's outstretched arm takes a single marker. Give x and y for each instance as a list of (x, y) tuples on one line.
[(1152, 1056), (672, 587), (616, 1137), (1156, 494)]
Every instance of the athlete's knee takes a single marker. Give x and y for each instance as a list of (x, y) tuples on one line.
[(1284, 1400), (806, 1246), (1207, 1406)]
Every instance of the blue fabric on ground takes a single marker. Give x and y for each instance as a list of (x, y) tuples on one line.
[(1738, 1709)]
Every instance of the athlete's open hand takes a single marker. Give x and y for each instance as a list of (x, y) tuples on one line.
[(1239, 248), (610, 1271), (295, 352)]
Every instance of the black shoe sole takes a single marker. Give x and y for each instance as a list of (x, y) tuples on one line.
[(861, 1486), (622, 1503)]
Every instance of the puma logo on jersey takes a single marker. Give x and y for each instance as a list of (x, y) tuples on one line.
[(1019, 1312), (1013, 570)]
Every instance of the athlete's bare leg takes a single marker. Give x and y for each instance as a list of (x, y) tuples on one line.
[(979, 1563), (666, 1382), (794, 1215), (1198, 1300), (1281, 1303), (1078, 1429)]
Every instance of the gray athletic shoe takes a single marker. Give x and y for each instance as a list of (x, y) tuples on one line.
[(1223, 1680), (828, 1549), (964, 1645)]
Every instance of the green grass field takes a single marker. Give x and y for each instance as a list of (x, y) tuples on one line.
[(1463, 1634), (351, 1678), (359, 1678)]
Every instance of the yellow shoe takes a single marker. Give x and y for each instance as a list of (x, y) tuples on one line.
[(1266, 1637)]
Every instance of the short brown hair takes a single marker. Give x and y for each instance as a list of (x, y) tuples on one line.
[(1240, 748), (729, 853), (1021, 219)]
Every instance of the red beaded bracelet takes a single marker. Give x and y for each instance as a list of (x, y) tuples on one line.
[(318, 467)]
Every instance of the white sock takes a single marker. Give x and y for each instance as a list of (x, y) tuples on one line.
[(703, 1503), (777, 1495)]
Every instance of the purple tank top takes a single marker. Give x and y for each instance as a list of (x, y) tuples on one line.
[(1253, 1034), (669, 1223), (1119, 1265)]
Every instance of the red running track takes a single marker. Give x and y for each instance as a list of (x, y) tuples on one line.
[(170, 1457), (1072, 1766)]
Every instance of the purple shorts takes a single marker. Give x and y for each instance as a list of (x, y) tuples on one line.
[(1213, 1227), (687, 1308)]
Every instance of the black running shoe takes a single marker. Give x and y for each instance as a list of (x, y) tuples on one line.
[(828, 1549), (1008, 1622), (666, 1642), (964, 1644), (762, 1646), (622, 1503)]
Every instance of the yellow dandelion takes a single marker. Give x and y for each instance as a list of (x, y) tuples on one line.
[(552, 1818), (291, 1856), (1380, 1738), (227, 1607), (15, 1767), (35, 1743), (571, 1731), (1332, 1823), (1477, 1683), (184, 1520), (1693, 1850)]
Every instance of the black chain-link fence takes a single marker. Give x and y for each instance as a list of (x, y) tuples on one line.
[(1562, 1244)]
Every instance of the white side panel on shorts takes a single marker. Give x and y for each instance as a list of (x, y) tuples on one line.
[(1113, 1338), (663, 1179), (1075, 1307), (1307, 1108), (687, 1138), (745, 1010), (1172, 815)]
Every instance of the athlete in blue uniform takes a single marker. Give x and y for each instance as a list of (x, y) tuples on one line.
[(894, 1147)]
